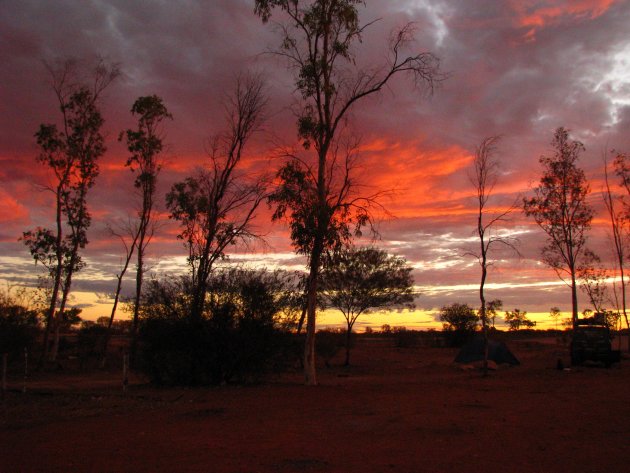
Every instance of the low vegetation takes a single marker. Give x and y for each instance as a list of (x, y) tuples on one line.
[(242, 333), (19, 325)]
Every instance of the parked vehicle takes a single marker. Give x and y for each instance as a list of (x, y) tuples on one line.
[(591, 341)]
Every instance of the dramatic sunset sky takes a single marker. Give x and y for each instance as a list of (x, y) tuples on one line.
[(517, 68)]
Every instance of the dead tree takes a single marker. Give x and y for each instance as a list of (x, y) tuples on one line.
[(217, 205), (484, 179)]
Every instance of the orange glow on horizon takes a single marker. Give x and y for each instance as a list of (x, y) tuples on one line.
[(418, 319)]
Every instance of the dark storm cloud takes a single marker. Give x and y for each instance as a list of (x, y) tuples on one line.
[(185, 51), (502, 84)]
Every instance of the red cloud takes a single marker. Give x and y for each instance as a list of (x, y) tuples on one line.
[(534, 14), (419, 179), (10, 209)]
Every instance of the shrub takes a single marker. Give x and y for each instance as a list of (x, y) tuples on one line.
[(238, 339), (19, 327), (460, 322), (404, 338), (517, 319)]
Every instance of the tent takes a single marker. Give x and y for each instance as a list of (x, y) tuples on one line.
[(497, 352)]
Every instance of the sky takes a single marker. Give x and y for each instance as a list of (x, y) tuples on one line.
[(516, 68)]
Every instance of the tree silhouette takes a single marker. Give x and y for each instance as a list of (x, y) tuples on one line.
[(71, 151), (554, 313), (619, 221), (242, 333), (356, 280), (560, 209), (19, 322), (216, 206), (484, 179), (317, 42), (593, 282), (459, 322), (108, 322), (492, 308), (517, 319), (145, 144)]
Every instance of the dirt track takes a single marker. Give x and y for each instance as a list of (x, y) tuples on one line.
[(395, 410)]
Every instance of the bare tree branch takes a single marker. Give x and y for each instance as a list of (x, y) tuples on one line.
[(217, 205)]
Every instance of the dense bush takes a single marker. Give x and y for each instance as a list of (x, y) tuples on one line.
[(19, 327), (209, 351), (238, 339), (460, 322)]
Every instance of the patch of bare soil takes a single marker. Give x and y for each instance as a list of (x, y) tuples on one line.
[(395, 410)]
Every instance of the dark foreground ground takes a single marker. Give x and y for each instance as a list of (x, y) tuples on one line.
[(395, 410)]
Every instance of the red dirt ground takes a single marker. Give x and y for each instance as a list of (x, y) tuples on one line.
[(395, 410)]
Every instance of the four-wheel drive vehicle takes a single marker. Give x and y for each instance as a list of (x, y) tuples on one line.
[(591, 342)]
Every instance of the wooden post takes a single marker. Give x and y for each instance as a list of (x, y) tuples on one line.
[(5, 357), (125, 372)]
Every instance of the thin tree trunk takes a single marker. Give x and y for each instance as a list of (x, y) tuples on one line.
[(623, 293), (140, 245), (62, 308), (348, 340), (302, 316), (574, 300), (304, 309), (136, 309), (310, 372), (50, 320), (484, 268), (108, 334), (50, 317), (77, 227), (64, 299), (203, 273), (623, 302), (484, 324), (617, 225), (200, 289), (114, 307), (54, 351)]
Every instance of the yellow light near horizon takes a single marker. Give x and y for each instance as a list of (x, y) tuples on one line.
[(423, 320), (410, 319)]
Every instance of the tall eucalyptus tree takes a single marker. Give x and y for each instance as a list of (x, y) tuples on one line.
[(561, 210), (318, 40), (71, 151)]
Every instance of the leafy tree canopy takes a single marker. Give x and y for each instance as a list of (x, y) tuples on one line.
[(357, 280), (517, 319), (459, 317)]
